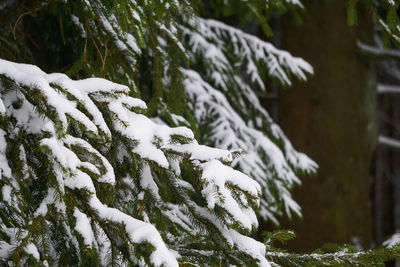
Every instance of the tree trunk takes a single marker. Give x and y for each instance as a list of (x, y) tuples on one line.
[(332, 118)]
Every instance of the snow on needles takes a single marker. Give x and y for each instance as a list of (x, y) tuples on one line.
[(223, 98), (75, 124), (392, 241), (211, 38), (262, 159)]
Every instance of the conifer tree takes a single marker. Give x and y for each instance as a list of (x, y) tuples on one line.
[(171, 58), (91, 175)]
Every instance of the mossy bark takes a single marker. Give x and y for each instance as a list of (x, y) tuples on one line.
[(332, 118)]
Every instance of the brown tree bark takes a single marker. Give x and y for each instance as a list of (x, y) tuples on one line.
[(332, 118)]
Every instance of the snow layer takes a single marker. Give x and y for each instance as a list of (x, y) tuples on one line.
[(78, 168), (225, 96), (83, 227), (263, 160), (392, 241), (79, 160), (32, 250)]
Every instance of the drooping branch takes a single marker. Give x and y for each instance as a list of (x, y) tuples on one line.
[(388, 89), (377, 53), (389, 142)]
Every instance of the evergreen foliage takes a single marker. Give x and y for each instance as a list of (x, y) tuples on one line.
[(329, 255), (385, 13), (92, 179), (149, 46), (91, 175), (226, 64)]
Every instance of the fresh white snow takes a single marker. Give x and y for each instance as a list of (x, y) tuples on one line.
[(77, 164)]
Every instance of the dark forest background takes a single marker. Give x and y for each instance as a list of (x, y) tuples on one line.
[(346, 118)]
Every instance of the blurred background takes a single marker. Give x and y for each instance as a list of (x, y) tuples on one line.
[(347, 118)]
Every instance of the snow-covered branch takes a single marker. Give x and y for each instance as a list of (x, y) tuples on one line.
[(377, 53), (262, 159), (224, 98), (389, 142), (213, 39), (90, 139), (388, 89)]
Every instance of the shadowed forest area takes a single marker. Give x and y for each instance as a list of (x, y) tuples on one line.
[(333, 118), (346, 117)]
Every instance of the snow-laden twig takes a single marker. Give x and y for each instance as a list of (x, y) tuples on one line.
[(389, 142), (388, 89), (392, 241), (377, 53)]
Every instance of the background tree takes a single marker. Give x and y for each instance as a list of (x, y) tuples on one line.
[(333, 118), (349, 60)]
